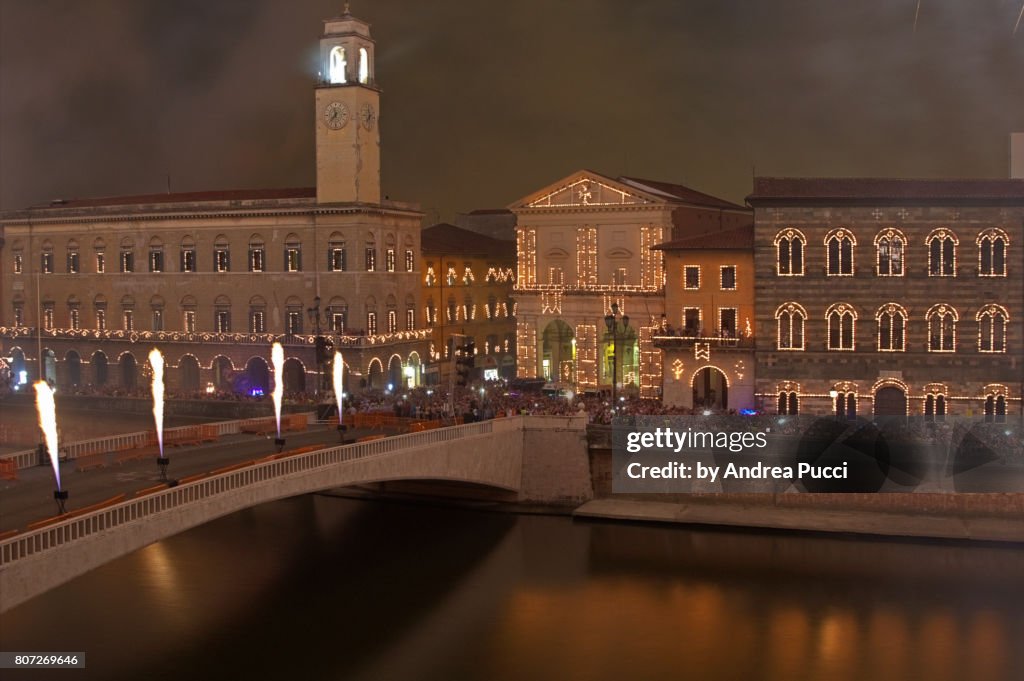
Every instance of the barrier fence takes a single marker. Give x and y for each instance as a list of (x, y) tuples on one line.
[(180, 435), (52, 536)]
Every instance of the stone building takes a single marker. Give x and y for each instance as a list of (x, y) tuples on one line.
[(585, 251), (889, 297), (707, 339), (88, 287), (468, 280)]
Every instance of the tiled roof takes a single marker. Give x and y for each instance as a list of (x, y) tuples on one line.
[(681, 193), (737, 239), (874, 189), (187, 197), (447, 239)]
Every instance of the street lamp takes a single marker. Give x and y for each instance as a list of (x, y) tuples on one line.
[(611, 320), (319, 342)]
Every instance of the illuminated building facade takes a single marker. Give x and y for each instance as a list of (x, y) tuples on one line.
[(707, 339), (889, 297), (212, 278), (585, 243), (468, 280)]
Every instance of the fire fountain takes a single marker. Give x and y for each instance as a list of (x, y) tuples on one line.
[(47, 410)]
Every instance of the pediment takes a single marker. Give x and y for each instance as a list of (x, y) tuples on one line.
[(586, 189)]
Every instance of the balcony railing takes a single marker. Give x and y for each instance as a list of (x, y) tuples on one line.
[(687, 341), (357, 341)]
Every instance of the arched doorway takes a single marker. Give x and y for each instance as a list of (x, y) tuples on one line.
[(222, 370), (710, 389), (395, 381), (890, 401), (257, 377), (19, 374), (375, 374), (412, 378), (188, 374), (74, 368), (129, 373), (100, 370), (558, 352), (294, 376), (49, 366)]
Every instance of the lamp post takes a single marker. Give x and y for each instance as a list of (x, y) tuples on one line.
[(319, 342), (611, 320)]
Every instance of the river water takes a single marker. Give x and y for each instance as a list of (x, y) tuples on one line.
[(322, 587)]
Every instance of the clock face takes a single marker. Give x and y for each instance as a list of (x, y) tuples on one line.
[(335, 115), (367, 116)]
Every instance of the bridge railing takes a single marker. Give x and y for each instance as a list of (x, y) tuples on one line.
[(119, 443), (44, 539)]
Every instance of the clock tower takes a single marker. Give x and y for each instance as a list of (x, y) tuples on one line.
[(347, 114)]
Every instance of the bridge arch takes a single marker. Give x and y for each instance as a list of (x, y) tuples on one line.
[(294, 375), (375, 374), (100, 369)]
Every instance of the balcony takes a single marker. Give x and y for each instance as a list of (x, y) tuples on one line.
[(687, 341)]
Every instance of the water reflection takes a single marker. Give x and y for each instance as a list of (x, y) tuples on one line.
[(321, 587)]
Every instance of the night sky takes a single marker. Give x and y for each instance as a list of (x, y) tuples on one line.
[(487, 101)]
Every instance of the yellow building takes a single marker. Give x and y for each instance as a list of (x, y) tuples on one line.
[(467, 292), (707, 336)]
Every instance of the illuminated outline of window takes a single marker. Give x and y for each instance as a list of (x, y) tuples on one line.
[(789, 253), (839, 245), (841, 322), (692, 326), (410, 261), (890, 253), (891, 319), (993, 244), (691, 277), (789, 334), (292, 254), (727, 277), (942, 244), (257, 254), (389, 260), (942, 321), (221, 255), (992, 322)]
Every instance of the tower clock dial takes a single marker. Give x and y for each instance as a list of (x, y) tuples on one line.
[(367, 116), (336, 115)]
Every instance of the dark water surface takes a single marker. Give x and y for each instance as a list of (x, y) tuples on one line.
[(330, 588)]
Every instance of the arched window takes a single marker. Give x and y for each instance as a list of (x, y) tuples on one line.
[(935, 407), (992, 321), (892, 325), (156, 308), (839, 245), (336, 253), (127, 254), (941, 245), (942, 321), (790, 318), (99, 306), (337, 65), (364, 65), (188, 314), (187, 259), (73, 262), (221, 254), (789, 403), (74, 312), (992, 245), (840, 319), (410, 313), (789, 247), (337, 314), (128, 313), (257, 254), (46, 257), (257, 315), (222, 315), (100, 247), (156, 255), (846, 405), (890, 247), (293, 315), (995, 403), (292, 253)]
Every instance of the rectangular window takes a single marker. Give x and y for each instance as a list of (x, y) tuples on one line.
[(222, 321), (158, 320), (691, 321), (189, 321), (371, 259), (156, 261), (256, 258), (75, 318), (101, 319), (691, 277), (392, 321), (409, 261), (128, 320), (19, 316), (294, 321), (188, 260), (338, 322), (46, 266), (127, 261), (221, 260), (48, 317), (410, 319), (101, 263), (727, 322), (257, 323), (371, 323), (336, 259), (620, 277), (555, 275), (19, 263), (728, 277), (293, 259), (389, 260), (73, 267)]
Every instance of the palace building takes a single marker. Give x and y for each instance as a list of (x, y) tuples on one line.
[(590, 284), (89, 287), (889, 297)]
